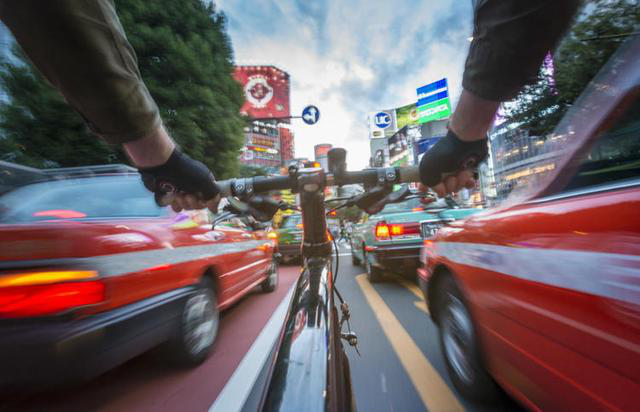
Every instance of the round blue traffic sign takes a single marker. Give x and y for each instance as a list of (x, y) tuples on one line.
[(310, 115), (382, 120)]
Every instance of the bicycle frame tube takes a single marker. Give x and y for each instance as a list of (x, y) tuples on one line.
[(311, 371)]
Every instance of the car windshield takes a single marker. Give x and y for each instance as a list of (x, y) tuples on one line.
[(103, 197), (413, 205)]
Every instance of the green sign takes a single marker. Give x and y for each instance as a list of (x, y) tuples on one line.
[(439, 109), (406, 115)]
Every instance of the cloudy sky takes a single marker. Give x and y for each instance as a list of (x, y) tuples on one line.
[(350, 58)]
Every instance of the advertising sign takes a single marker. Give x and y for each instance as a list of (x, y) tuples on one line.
[(266, 91), (406, 115), (398, 148), (433, 101), (382, 123)]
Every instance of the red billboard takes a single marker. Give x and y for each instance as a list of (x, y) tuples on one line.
[(266, 91)]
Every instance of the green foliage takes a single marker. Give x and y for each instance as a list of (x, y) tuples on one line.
[(185, 58), (598, 32)]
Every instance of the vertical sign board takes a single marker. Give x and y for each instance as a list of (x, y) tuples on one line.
[(433, 101)]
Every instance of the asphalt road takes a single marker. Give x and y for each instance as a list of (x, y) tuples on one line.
[(400, 367)]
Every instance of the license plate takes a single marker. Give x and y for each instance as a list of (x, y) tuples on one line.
[(429, 229)]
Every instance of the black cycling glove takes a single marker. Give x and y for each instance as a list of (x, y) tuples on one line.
[(449, 156), (180, 174)]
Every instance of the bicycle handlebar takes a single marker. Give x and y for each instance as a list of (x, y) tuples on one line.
[(263, 184)]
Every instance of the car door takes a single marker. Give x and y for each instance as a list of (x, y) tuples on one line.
[(246, 259), (556, 280)]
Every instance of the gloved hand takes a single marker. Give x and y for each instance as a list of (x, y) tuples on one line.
[(450, 164), (183, 183)]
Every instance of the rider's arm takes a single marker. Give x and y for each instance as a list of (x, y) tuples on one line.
[(510, 41), (81, 48)]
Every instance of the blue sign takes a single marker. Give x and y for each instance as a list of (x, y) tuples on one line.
[(382, 120), (432, 98), (310, 115), (432, 92)]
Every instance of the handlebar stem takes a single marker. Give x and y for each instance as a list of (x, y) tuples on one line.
[(311, 183)]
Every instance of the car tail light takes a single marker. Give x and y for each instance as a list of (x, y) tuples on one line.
[(387, 231), (382, 231), (47, 293)]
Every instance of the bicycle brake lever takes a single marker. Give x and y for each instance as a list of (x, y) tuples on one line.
[(263, 208)]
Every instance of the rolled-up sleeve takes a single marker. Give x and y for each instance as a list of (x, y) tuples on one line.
[(510, 40), (81, 48)]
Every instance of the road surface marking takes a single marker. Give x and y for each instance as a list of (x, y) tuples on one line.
[(434, 392), (421, 306), (238, 388), (413, 288)]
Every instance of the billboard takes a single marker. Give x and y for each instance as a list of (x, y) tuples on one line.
[(382, 123), (266, 91), (433, 101), (406, 115), (398, 149)]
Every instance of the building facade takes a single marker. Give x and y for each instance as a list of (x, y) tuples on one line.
[(269, 140)]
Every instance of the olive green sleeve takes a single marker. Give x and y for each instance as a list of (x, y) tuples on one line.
[(81, 48), (510, 41)]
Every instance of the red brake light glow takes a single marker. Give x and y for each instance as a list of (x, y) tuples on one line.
[(382, 231), (48, 293), (385, 231), (60, 214)]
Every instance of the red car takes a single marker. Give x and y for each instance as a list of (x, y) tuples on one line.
[(542, 295), (93, 273)]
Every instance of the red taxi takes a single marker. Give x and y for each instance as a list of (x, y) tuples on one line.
[(542, 295), (93, 273)]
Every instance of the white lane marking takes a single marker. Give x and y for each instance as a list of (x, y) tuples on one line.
[(383, 383), (236, 391)]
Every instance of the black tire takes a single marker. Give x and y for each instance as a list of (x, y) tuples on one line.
[(460, 346), (190, 346), (374, 274), (271, 282)]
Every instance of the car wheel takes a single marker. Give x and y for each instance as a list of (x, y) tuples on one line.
[(271, 282), (373, 273), (199, 321), (459, 345)]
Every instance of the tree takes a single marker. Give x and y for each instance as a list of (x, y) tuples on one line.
[(185, 58), (601, 27)]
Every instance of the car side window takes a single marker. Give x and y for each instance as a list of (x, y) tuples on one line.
[(615, 156)]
